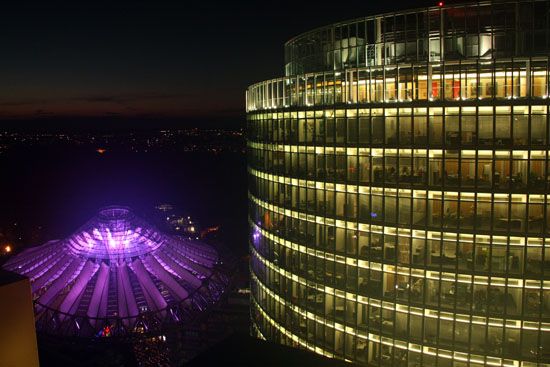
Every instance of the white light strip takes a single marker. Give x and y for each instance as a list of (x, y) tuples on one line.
[(289, 334), (400, 269), (400, 344), (401, 152), (404, 308), (507, 85), (405, 193), (401, 232)]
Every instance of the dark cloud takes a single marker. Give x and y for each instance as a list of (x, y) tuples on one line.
[(40, 112), (126, 98), (26, 102), (117, 99)]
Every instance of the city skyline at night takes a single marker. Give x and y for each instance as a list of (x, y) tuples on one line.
[(287, 183)]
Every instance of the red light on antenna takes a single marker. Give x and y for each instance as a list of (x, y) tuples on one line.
[(440, 3)]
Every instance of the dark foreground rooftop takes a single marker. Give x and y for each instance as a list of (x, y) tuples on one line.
[(243, 350), (8, 277)]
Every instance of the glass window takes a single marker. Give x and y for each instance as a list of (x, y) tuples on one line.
[(538, 129), (436, 130), (485, 130)]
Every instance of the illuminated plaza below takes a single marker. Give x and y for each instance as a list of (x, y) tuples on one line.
[(118, 276)]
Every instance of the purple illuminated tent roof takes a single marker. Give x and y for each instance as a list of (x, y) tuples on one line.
[(121, 275)]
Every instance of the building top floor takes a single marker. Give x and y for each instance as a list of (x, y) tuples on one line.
[(479, 30)]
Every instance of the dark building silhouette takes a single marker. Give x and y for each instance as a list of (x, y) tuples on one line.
[(17, 334)]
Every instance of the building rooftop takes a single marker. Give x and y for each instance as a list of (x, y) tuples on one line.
[(116, 275)]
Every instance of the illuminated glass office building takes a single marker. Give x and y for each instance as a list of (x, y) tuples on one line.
[(399, 188)]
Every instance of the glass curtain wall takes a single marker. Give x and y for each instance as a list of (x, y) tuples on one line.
[(399, 186)]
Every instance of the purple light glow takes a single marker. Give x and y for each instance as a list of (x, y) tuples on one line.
[(116, 265), (256, 236), (114, 233)]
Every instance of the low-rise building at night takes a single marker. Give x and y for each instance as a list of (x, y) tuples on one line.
[(119, 281)]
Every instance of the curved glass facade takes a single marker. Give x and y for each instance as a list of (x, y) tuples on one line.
[(399, 205)]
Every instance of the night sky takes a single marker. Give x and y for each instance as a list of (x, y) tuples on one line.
[(150, 60)]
